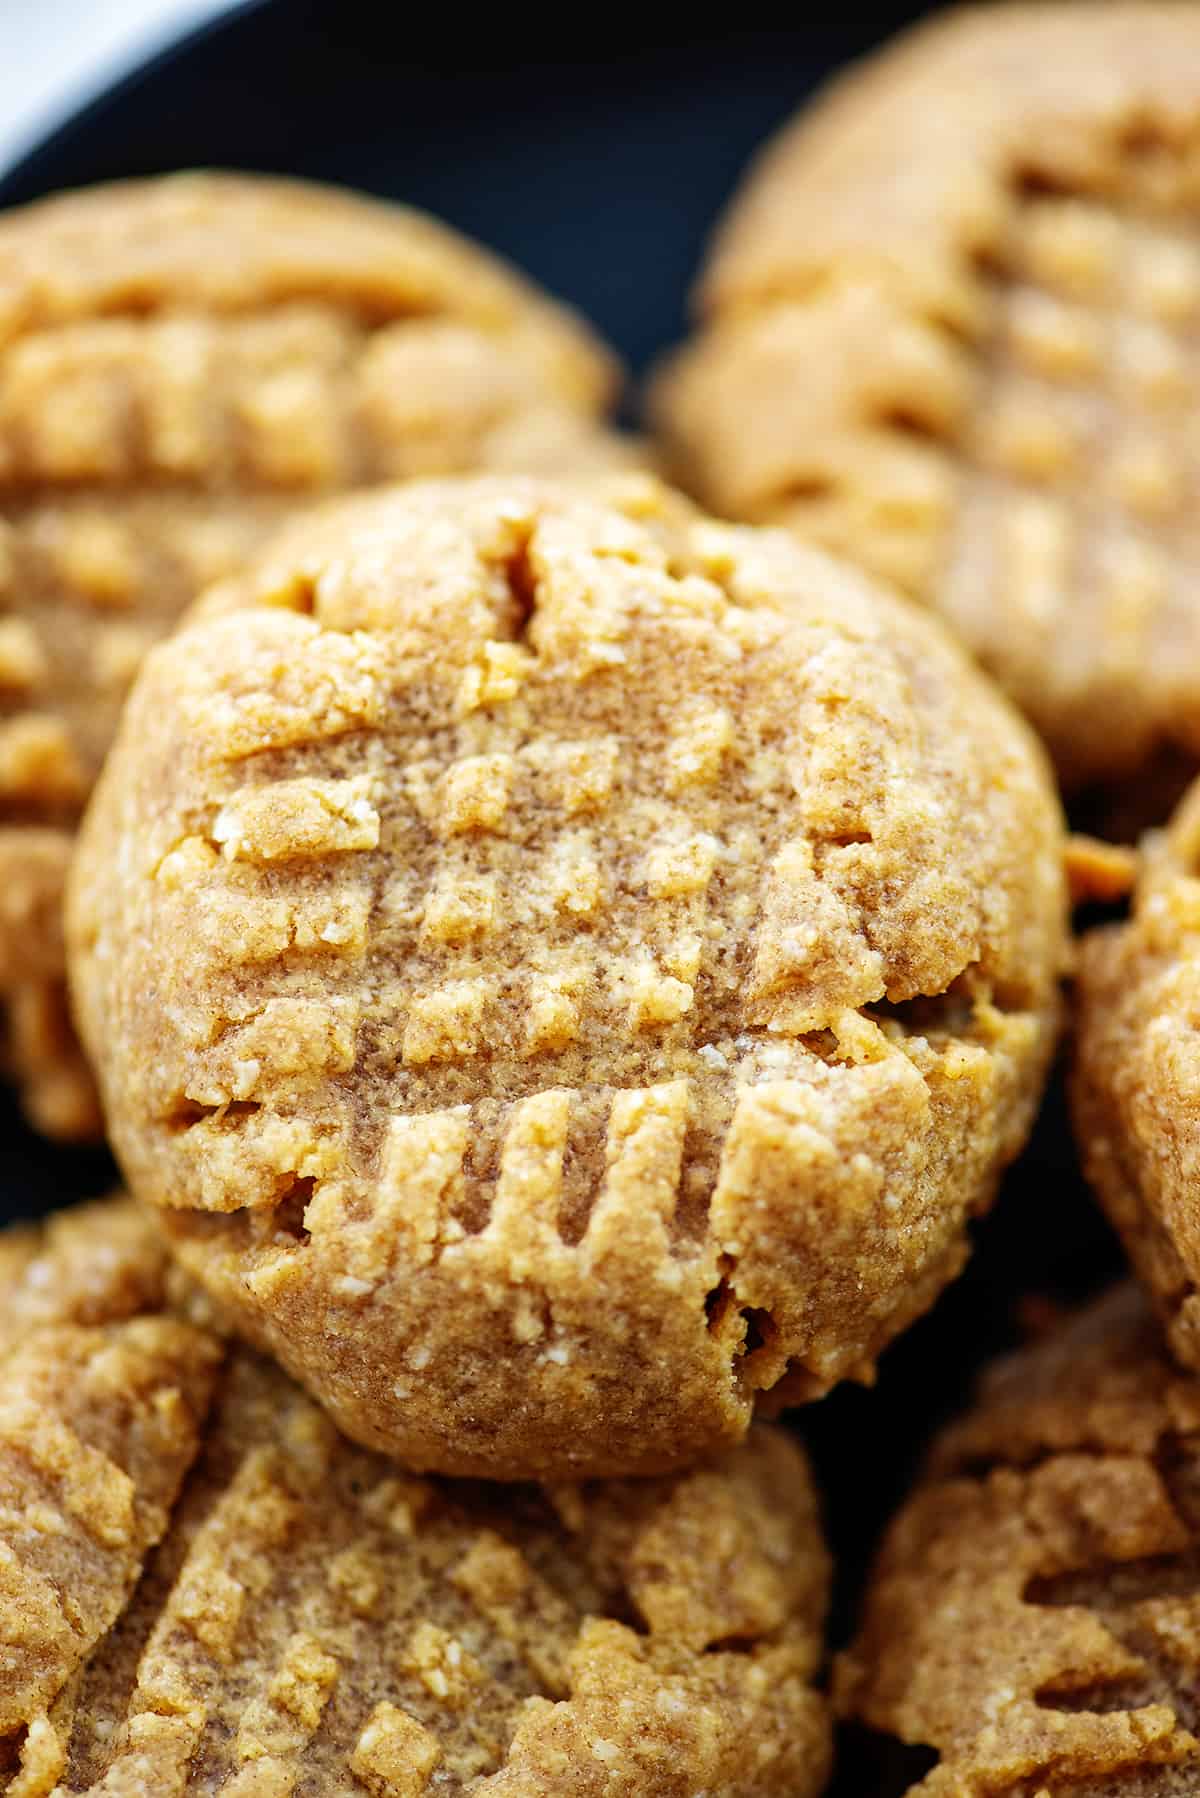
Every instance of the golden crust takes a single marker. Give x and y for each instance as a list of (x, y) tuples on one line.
[(95, 1264), (183, 363), (103, 1401), (97, 1428), (565, 967), (1135, 1077), (1034, 1615), (314, 1619), (972, 366)]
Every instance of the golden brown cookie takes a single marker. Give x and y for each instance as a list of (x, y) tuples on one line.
[(94, 1264), (1136, 1080), (183, 362), (204, 1589), (565, 967), (103, 1399), (1034, 1616), (951, 328)]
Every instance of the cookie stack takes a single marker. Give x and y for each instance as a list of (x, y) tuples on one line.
[(561, 971)]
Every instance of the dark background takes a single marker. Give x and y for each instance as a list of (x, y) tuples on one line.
[(598, 166), (594, 150)]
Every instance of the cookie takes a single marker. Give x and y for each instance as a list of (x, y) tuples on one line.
[(1033, 1621), (1134, 1080), (94, 1264), (183, 363), (565, 967), (104, 1400), (951, 328), (259, 1608)]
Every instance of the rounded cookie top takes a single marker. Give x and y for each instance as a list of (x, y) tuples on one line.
[(973, 367), (565, 966), (1033, 1620), (183, 362), (1136, 1072), (205, 1588)]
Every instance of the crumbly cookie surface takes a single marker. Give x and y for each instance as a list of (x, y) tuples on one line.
[(974, 367), (565, 967), (97, 1263), (1034, 1616), (183, 363), (205, 1589), (1136, 1073)]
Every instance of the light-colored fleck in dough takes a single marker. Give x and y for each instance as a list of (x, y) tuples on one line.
[(183, 362), (1034, 1616), (951, 328), (565, 967), (315, 1620), (1136, 1077)]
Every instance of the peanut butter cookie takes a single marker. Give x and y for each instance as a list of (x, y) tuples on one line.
[(95, 1263), (565, 967), (1034, 1616), (182, 363), (203, 1589), (951, 328), (1136, 1082)]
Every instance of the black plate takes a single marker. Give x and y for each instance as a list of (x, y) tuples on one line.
[(601, 175)]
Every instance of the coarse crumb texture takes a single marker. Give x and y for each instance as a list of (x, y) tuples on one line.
[(182, 363), (102, 1407), (93, 1264), (565, 967), (205, 1589), (951, 327), (1136, 1077), (1034, 1615)]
